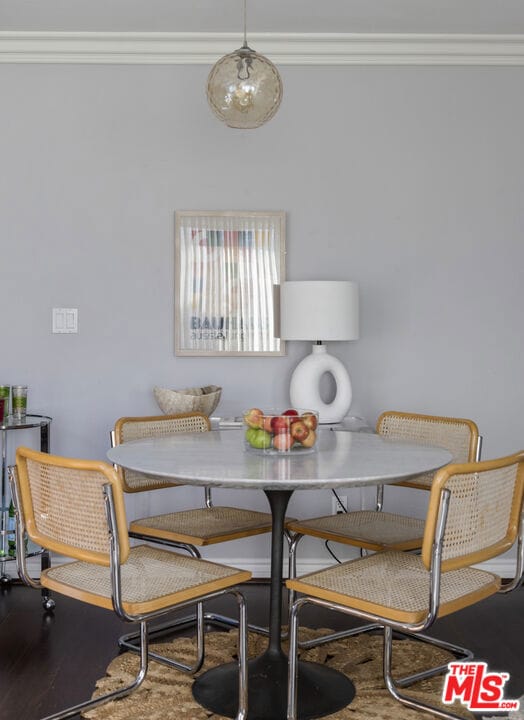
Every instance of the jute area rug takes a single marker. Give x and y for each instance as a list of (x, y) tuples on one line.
[(166, 693)]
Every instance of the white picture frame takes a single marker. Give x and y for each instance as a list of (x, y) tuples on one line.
[(228, 266)]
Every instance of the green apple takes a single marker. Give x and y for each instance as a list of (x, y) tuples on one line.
[(258, 438), (250, 434)]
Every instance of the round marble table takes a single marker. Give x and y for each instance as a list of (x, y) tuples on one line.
[(341, 459)]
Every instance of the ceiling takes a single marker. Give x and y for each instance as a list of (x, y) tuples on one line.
[(286, 16)]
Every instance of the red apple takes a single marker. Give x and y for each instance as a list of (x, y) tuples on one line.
[(293, 413), (253, 417), (282, 441), (280, 424), (310, 420), (310, 440), (299, 431)]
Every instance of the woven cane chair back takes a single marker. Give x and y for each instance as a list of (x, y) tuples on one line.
[(63, 506), (484, 511), (138, 428), (459, 436)]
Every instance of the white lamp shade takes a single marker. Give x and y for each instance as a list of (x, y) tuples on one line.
[(319, 310)]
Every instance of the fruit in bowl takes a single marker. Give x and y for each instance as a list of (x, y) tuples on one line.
[(280, 432)]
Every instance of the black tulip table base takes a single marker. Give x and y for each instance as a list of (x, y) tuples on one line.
[(321, 690)]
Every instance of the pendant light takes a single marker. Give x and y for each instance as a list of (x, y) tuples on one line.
[(244, 88)]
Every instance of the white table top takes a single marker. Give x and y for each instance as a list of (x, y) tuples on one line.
[(219, 458)]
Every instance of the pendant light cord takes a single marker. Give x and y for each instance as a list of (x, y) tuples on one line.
[(245, 24)]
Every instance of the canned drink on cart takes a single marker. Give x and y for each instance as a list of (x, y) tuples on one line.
[(19, 401), (5, 392)]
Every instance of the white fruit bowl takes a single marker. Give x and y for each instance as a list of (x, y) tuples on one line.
[(280, 433), (202, 399)]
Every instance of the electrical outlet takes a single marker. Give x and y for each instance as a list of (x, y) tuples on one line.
[(336, 508)]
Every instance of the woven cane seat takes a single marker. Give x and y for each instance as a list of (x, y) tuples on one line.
[(203, 526), (367, 529), (151, 578), (395, 585)]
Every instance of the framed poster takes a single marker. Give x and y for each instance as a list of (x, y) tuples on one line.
[(228, 266)]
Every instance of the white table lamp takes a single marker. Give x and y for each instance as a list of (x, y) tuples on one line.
[(322, 311)]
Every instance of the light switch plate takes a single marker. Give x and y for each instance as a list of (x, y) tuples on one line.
[(65, 320)]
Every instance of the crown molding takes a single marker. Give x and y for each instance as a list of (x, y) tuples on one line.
[(154, 48)]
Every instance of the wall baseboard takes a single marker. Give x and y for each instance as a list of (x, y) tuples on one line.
[(155, 48)]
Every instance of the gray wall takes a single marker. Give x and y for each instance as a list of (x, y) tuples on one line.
[(407, 180)]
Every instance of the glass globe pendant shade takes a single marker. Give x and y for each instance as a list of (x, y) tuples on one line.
[(244, 89)]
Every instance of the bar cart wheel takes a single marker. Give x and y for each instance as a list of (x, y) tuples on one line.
[(48, 604)]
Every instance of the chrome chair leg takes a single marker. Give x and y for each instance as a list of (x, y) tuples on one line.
[(293, 660), (460, 653), (115, 694), (242, 657), (393, 688), (293, 541), (191, 549), (242, 654), (128, 642)]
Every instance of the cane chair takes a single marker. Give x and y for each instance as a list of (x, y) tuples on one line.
[(376, 529), (183, 529), (474, 514), (76, 508)]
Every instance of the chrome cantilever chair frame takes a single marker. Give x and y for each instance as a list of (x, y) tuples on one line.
[(377, 621), (460, 652), (408, 629), (142, 619), (293, 538), (130, 641)]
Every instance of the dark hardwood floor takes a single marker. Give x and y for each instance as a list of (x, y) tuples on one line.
[(51, 660)]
